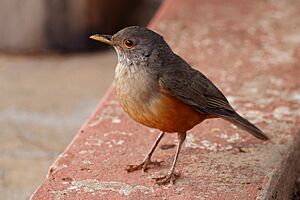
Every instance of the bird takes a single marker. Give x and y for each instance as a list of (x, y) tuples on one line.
[(159, 89)]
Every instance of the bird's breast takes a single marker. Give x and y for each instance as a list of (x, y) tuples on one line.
[(141, 97), (135, 83)]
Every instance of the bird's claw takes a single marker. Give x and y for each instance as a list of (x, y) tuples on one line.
[(169, 178), (144, 166)]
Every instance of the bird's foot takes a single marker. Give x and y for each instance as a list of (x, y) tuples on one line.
[(144, 166), (169, 178)]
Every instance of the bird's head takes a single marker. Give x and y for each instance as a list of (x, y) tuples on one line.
[(134, 43)]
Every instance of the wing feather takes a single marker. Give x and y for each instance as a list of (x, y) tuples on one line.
[(193, 88)]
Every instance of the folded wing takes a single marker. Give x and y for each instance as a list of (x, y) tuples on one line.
[(194, 89)]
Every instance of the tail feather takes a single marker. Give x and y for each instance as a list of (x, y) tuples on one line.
[(244, 124), (239, 121)]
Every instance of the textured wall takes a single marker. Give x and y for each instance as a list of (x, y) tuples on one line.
[(35, 25), (22, 24)]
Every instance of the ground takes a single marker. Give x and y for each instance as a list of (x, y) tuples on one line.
[(44, 101)]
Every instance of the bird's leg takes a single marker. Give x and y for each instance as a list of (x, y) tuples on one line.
[(172, 176), (147, 160)]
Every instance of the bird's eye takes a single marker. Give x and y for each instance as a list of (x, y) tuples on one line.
[(128, 44)]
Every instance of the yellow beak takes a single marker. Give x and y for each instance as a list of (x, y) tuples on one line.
[(102, 38)]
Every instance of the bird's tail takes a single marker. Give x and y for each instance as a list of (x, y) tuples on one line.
[(244, 124)]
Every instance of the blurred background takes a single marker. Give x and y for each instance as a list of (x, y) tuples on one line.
[(52, 77)]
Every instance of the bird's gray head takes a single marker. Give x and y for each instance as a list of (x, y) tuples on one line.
[(134, 43)]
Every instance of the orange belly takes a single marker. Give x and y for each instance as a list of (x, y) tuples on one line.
[(166, 113)]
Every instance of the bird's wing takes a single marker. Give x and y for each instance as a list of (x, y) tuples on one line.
[(193, 88)]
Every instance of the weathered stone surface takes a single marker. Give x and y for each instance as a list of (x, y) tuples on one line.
[(251, 51)]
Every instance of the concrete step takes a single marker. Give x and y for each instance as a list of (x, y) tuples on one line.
[(251, 50)]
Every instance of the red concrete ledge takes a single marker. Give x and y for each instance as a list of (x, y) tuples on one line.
[(251, 50)]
